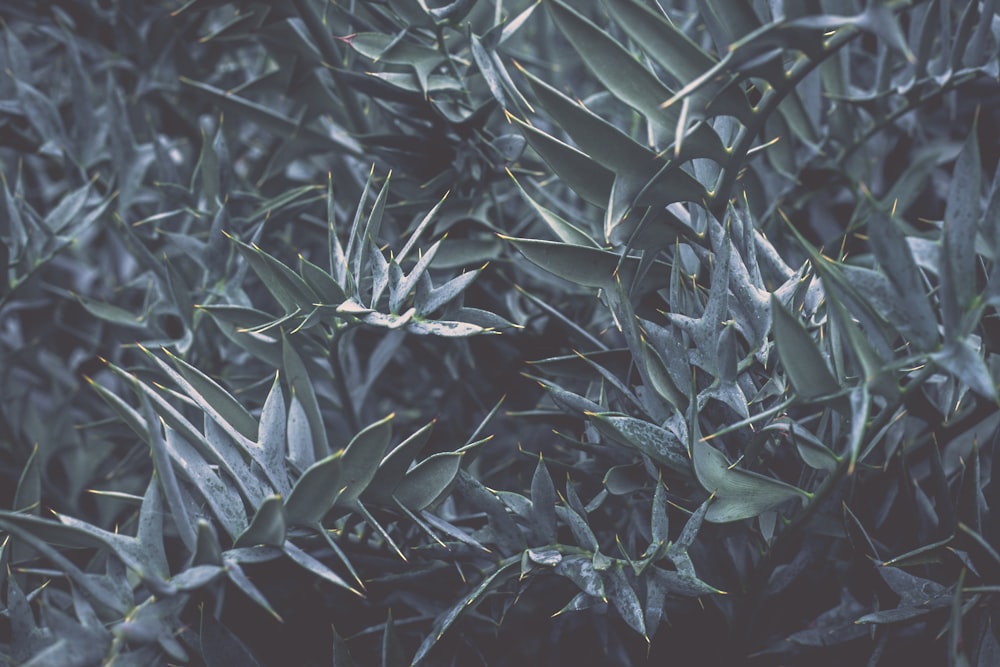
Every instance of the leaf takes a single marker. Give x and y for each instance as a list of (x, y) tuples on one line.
[(164, 471), (588, 267), (503, 531), (268, 525), (623, 480), (860, 407), (399, 292), (298, 381), (580, 570), (896, 258), (658, 443), (682, 583), (800, 356), (659, 516), (301, 450), (310, 564), (321, 282), (361, 459), (624, 599), (599, 139), (272, 436), (427, 480), (586, 177), (440, 296), (149, 533), (616, 69), (393, 467), (238, 577), (964, 362), (207, 550), (231, 410), (814, 453), (223, 500), (674, 51), (486, 67), (113, 314), (445, 328), (543, 503), (341, 655), (566, 231), (316, 491), (288, 288), (220, 647), (739, 494), (961, 218)]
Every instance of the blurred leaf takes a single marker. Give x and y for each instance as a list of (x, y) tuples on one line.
[(28, 495), (220, 647), (310, 564)]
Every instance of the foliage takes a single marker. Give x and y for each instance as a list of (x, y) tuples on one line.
[(271, 270)]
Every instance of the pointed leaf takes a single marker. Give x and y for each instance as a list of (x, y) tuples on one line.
[(393, 467), (268, 525), (543, 503), (660, 444), (739, 494), (589, 267), (316, 491), (362, 457), (298, 380), (800, 356), (272, 436), (427, 480)]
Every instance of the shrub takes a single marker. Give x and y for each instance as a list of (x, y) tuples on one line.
[(734, 265)]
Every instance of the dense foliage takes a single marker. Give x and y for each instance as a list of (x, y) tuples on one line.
[(595, 332)]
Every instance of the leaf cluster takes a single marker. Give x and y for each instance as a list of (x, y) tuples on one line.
[(271, 269)]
